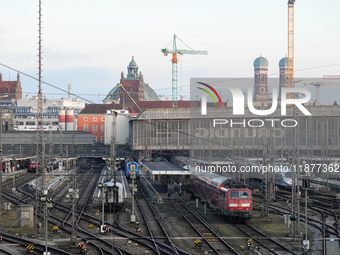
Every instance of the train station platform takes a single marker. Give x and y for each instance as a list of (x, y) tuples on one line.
[(53, 178), (162, 168), (164, 177)]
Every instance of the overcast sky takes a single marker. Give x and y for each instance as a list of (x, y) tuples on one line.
[(88, 43)]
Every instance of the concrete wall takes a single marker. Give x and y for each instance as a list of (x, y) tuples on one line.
[(122, 128), (25, 216)]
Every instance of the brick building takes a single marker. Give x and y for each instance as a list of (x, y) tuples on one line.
[(92, 119), (11, 88)]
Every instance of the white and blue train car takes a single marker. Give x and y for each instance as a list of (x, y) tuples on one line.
[(114, 199)]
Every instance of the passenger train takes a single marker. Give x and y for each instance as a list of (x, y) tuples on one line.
[(129, 166), (222, 193), (218, 191), (114, 199)]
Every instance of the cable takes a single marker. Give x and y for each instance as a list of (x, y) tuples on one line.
[(77, 95), (49, 84)]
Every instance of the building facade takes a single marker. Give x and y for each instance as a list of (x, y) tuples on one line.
[(24, 113), (92, 119), (11, 89), (185, 130), (134, 85)]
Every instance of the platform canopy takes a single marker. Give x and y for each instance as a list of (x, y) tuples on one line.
[(163, 168)]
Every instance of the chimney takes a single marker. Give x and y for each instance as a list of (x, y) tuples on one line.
[(0, 77), (18, 77)]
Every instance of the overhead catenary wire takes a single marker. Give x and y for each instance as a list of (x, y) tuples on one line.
[(156, 89)]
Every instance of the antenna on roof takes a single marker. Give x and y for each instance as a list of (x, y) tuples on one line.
[(69, 91)]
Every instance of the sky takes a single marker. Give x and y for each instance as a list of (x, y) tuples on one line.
[(89, 43)]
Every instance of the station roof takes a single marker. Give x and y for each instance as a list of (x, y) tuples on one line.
[(165, 168), (227, 112)]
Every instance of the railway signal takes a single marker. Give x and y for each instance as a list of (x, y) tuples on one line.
[(82, 247), (249, 243), (105, 229), (198, 243)]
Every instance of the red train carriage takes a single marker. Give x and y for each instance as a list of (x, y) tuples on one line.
[(33, 165), (234, 203)]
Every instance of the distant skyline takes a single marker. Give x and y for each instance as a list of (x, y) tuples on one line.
[(89, 43)]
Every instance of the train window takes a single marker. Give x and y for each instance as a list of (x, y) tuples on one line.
[(244, 194), (239, 194), (132, 167), (234, 194), (222, 193)]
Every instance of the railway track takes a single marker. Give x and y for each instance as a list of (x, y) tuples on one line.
[(37, 246), (204, 231), (271, 244), (98, 246), (157, 232)]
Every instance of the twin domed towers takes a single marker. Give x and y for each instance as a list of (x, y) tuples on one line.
[(261, 93)]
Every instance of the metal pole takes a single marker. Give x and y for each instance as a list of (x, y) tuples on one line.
[(74, 198), (133, 176), (306, 218), (103, 204), (46, 222), (1, 158)]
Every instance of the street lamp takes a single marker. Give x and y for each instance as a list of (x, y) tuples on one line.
[(1, 97)]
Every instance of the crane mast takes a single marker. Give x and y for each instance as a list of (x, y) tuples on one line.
[(295, 208), (290, 75), (174, 61)]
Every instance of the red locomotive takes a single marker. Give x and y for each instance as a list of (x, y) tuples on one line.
[(222, 193), (234, 203)]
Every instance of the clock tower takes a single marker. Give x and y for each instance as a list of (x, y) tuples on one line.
[(261, 80)]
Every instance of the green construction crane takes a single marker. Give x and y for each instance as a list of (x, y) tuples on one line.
[(174, 52)]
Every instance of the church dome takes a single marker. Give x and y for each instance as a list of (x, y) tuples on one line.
[(283, 62), (133, 84), (260, 61), (149, 94), (133, 63)]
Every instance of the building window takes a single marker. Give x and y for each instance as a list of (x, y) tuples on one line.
[(85, 118), (94, 128), (86, 128), (103, 139), (94, 118), (103, 128), (103, 119), (94, 138)]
